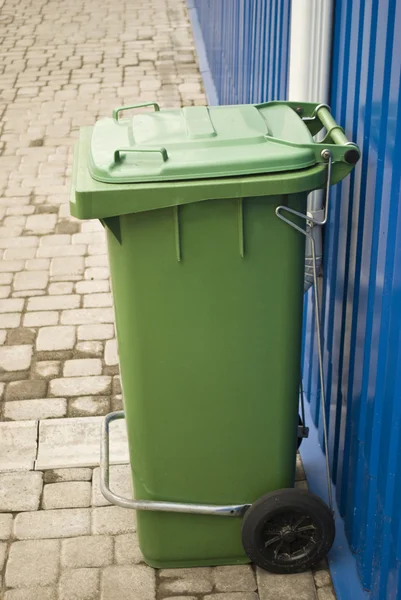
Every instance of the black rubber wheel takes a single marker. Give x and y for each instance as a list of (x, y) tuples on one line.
[(288, 531)]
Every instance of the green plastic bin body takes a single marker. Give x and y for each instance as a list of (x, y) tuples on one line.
[(210, 357), (208, 295)]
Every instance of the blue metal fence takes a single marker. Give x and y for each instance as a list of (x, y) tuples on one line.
[(246, 44), (362, 294)]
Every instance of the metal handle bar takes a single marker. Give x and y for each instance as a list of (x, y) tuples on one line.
[(116, 111), (334, 133), (334, 130), (236, 510), (162, 151)]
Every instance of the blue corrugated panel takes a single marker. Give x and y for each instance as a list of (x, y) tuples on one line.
[(362, 294), (247, 47)]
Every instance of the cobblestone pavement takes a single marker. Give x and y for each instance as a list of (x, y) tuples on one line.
[(63, 64)]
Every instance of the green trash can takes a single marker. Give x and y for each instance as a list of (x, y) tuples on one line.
[(208, 294)]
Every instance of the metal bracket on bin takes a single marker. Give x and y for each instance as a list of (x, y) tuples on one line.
[(303, 432), (327, 156), (235, 510)]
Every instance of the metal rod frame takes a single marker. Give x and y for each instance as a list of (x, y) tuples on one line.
[(234, 510), (326, 154)]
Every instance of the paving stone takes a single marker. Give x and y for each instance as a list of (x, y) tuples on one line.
[(23, 252), (11, 266), (192, 581), (38, 264), (12, 231), (89, 238), (58, 302), (3, 552), (97, 300), (26, 293), (82, 316), (33, 563), (79, 584), (31, 280), (61, 251), (76, 443), (35, 409), (326, 593), (40, 223), (17, 445), (59, 475), (61, 523), (82, 366), (113, 520), (322, 576), (80, 386), (93, 225), (10, 320), (15, 358), (89, 349), (88, 406), (97, 249), (110, 352), (61, 288), (126, 583), (6, 525), (126, 549), (55, 240), (47, 368), (117, 403), (3, 334), (92, 287), (97, 273), (297, 586), (55, 338), (20, 491), (67, 226), (5, 291), (116, 385), (20, 336), (89, 551), (73, 494), (120, 483), (67, 268), (32, 593), (40, 319), (11, 305), (95, 332), (239, 578), (6, 279), (27, 389)]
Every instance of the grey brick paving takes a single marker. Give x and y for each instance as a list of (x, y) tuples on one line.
[(33, 562), (20, 491), (62, 65), (72, 494), (91, 551)]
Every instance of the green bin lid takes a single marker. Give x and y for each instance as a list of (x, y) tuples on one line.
[(199, 142)]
